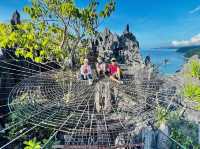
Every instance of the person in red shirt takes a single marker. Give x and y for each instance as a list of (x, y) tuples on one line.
[(114, 71)]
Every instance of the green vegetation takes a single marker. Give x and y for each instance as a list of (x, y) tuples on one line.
[(195, 68), (35, 144), (184, 132), (58, 31), (191, 91), (30, 141), (32, 144), (190, 51), (185, 140), (161, 115)]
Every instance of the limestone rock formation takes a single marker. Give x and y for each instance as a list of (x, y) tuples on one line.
[(103, 97), (124, 47), (15, 18)]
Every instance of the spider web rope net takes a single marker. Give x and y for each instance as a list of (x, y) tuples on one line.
[(102, 114)]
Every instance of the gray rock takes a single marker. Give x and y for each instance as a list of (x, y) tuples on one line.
[(124, 47), (163, 141), (103, 97), (15, 18)]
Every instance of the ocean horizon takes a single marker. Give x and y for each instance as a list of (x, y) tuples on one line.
[(158, 56)]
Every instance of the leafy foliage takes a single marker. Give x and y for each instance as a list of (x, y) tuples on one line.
[(11, 134), (39, 132), (192, 92), (181, 138), (183, 131), (186, 132), (188, 140), (195, 68), (161, 115), (164, 115), (32, 144), (57, 31)]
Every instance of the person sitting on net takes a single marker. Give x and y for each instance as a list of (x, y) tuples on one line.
[(147, 61), (114, 71), (86, 71), (100, 68)]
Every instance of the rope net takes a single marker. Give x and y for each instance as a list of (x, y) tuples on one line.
[(104, 114)]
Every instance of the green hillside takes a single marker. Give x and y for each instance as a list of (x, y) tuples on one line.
[(190, 51)]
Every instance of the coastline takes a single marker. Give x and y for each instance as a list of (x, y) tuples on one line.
[(158, 56)]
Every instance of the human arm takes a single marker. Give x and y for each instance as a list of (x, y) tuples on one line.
[(97, 67), (89, 69), (81, 70)]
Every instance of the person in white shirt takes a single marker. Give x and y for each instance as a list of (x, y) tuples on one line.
[(100, 67), (86, 71)]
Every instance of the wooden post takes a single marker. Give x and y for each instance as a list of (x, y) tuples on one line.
[(103, 97)]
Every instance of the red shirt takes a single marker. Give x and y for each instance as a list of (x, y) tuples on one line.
[(113, 68)]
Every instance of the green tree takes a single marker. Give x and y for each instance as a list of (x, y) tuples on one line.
[(58, 30)]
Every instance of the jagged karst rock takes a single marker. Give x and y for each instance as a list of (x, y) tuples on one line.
[(125, 47), (15, 18)]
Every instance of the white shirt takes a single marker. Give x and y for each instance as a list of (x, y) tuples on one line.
[(101, 66), (86, 67)]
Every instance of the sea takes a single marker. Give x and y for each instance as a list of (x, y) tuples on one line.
[(168, 61)]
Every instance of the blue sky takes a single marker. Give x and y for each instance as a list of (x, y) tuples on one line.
[(155, 23)]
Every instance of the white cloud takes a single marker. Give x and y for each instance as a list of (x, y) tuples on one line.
[(195, 40), (195, 10)]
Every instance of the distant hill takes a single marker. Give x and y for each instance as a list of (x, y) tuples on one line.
[(190, 50)]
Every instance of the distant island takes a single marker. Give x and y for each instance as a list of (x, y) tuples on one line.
[(188, 51)]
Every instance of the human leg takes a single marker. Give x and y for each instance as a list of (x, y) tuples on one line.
[(82, 77), (89, 76), (118, 74), (90, 79)]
